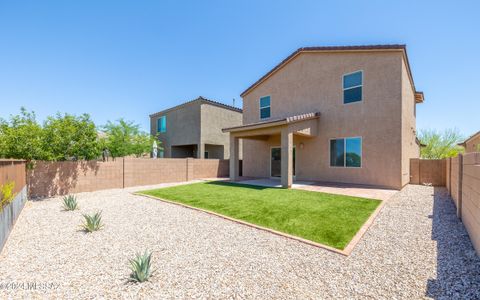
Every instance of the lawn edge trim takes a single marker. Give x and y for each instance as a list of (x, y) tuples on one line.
[(358, 236), (346, 251)]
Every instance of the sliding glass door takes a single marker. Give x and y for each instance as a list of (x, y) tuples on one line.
[(276, 162)]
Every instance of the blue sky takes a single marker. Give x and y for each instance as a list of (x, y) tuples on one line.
[(128, 59)]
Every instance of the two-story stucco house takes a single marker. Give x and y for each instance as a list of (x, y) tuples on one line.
[(194, 129), (331, 114), (472, 144)]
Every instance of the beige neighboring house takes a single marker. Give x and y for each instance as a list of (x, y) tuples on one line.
[(194, 129), (472, 144), (331, 114)]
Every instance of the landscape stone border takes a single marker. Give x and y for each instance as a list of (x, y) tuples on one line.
[(346, 251)]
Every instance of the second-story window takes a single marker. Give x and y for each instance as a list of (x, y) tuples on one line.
[(162, 124), (352, 87), (265, 107)]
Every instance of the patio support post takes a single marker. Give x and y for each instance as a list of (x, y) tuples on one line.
[(234, 157), (287, 158), (201, 150)]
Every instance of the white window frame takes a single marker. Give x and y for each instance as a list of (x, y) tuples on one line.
[(260, 107), (352, 87), (345, 152)]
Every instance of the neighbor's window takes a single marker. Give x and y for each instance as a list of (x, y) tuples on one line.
[(346, 152), (265, 107), (162, 124), (205, 154), (352, 87)]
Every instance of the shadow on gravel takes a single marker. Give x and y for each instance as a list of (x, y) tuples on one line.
[(458, 266)]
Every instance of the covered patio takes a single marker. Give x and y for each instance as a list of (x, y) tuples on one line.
[(347, 189), (305, 125)]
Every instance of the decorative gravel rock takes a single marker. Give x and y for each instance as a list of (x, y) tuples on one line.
[(416, 248)]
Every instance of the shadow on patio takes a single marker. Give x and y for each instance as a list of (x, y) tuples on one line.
[(354, 190)]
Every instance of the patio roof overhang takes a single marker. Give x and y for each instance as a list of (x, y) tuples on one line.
[(304, 124), (419, 97)]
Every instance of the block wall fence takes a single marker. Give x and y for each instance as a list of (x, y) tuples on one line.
[(464, 187), (428, 171), (60, 178), (461, 176)]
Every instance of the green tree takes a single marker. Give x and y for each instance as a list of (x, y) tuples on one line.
[(124, 138), (440, 144), (69, 137), (21, 137)]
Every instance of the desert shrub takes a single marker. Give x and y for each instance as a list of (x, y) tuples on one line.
[(6, 194), (141, 267), (440, 144), (70, 202), (92, 222)]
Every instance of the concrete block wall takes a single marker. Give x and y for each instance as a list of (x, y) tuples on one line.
[(153, 171), (463, 184), (455, 184), (13, 170), (461, 176), (470, 199), (208, 168), (428, 171), (49, 179)]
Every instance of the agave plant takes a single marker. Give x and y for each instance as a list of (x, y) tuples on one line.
[(92, 222), (141, 267), (70, 202)]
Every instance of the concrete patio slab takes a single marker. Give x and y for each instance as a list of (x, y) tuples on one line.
[(331, 188)]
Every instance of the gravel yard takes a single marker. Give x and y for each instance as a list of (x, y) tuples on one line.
[(416, 248)]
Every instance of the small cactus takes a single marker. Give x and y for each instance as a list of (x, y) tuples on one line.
[(141, 267), (92, 222), (70, 202)]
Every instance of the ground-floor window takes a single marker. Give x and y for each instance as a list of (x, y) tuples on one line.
[(205, 155), (346, 152)]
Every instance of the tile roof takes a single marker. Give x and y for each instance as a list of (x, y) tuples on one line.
[(332, 48), (469, 138), (202, 99)]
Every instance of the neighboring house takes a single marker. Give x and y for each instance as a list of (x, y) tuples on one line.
[(331, 114), (194, 129), (472, 144)]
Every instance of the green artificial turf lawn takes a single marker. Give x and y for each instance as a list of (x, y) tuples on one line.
[(328, 219)]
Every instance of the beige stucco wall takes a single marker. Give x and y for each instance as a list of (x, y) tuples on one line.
[(313, 82), (197, 123), (473, 145), (213, 120), (410, 148), (183, 127)]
